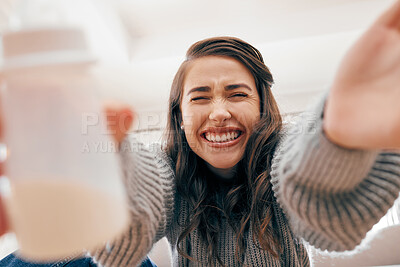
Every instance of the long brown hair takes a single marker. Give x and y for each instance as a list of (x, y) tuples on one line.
[(247, 203)]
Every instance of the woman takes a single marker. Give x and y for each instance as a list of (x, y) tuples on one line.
[(233, 188)]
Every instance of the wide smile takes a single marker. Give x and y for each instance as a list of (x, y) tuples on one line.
[(222, 138)]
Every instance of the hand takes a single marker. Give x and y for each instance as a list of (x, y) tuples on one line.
[(363, 108), (120, 118)]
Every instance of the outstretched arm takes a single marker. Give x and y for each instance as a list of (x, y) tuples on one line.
[(330, 173), (148, 182)]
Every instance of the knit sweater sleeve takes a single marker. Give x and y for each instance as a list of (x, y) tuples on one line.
[(331, 195), (148, 180)]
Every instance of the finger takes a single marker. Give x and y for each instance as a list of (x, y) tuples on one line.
[(123, 123), (126, 118), (121, 118), (391, 18), (120, 113)]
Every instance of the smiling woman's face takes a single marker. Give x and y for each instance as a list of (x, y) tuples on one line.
[(220, 106)]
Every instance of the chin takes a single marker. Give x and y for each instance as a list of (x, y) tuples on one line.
[(223, 160), (222, 164)]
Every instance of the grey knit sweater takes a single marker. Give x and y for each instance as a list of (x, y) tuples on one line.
[(326, 195)]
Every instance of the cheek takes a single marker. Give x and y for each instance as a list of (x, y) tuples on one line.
[(254, 116), (254, 112), (247, 114), (193, 118)]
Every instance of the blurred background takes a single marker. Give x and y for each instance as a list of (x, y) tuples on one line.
[(141, 43)]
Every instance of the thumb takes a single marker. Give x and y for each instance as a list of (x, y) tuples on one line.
[(391, 18)]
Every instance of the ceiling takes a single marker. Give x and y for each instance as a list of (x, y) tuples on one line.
[(177, 24), (302, 41)]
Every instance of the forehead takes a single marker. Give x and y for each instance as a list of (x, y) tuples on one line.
[(216, 69)]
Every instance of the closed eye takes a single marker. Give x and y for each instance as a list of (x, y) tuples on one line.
[(239, 95), (199, 98)]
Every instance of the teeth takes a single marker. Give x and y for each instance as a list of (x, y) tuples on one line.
[(222, 138)]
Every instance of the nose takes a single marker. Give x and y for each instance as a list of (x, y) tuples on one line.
[(219, 113)]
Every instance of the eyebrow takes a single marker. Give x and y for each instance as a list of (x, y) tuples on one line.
[(227, 88), (199, 89), (235, 86)]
